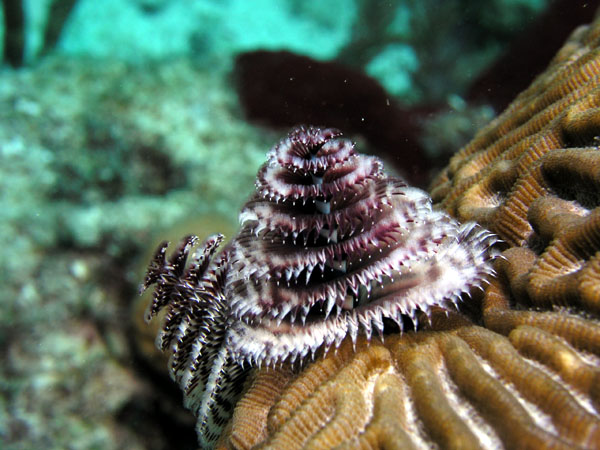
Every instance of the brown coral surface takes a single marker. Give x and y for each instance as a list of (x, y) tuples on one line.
[(457, 385), (524, 372)]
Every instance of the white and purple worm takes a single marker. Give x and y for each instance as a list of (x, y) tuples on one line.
[(329, 247)]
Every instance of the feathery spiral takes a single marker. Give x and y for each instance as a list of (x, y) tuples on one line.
[(329, 246)]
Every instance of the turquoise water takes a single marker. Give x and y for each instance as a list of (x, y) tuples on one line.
[(124, 121)]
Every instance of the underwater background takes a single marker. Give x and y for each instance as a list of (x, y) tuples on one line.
[(126, 122)]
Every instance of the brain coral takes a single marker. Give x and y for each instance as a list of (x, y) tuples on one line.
[(522, 371)]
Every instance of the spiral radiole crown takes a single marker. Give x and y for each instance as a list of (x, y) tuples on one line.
[(329, 246)]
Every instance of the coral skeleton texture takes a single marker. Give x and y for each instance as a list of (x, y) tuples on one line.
[(329, 247), (533, 177), (445, 386), (524, 371)]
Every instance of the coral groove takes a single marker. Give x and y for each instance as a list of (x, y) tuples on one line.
[(445, 387)]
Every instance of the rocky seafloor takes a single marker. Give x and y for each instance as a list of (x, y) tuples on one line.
[(87, 182)]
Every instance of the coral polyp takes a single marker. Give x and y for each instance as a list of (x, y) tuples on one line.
[(329, 247)]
